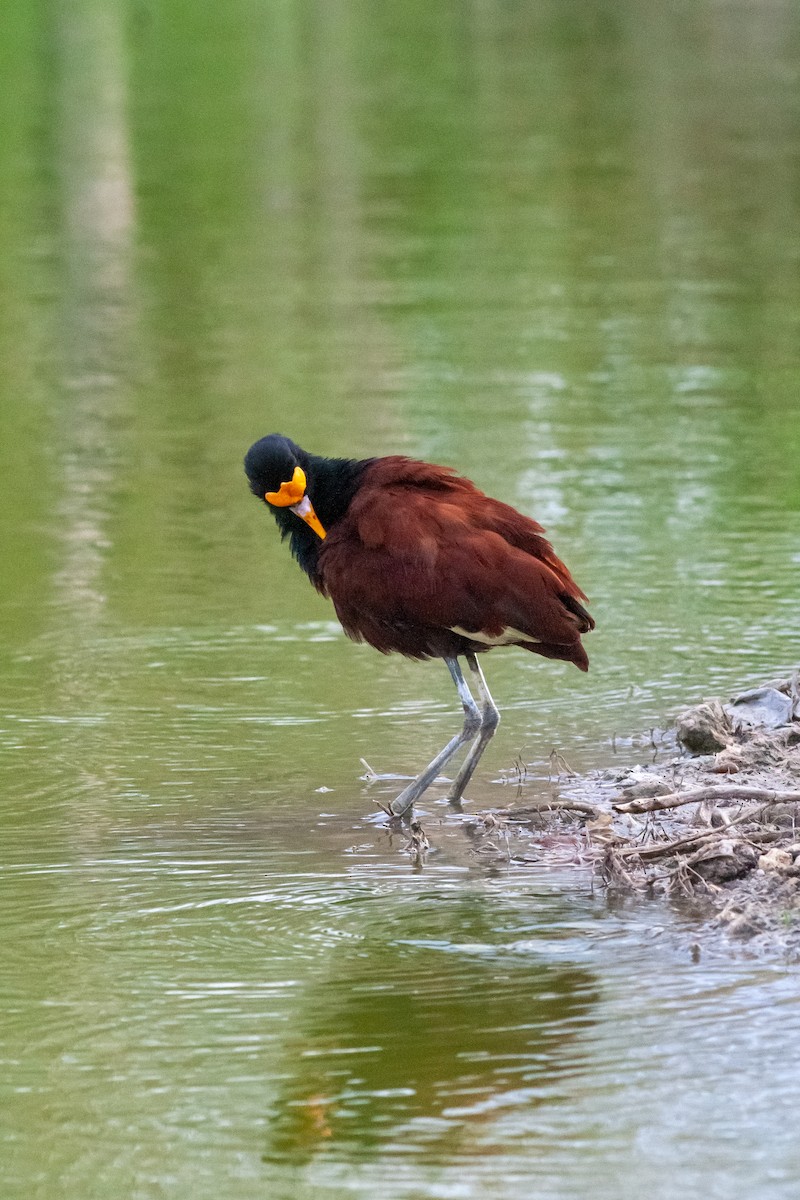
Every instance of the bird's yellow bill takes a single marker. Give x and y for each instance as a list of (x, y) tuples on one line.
[(305, 511), (292, 494), (289, 493)]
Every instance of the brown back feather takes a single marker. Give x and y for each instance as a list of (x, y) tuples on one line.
[(421, 550)]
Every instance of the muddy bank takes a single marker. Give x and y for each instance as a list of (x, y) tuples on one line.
[(712, 821)]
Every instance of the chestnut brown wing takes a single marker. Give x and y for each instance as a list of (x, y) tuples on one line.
[(411, 563)]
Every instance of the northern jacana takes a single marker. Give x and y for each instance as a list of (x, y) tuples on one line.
[(419, 562)]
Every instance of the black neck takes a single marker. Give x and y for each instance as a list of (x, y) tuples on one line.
[(331, 485)]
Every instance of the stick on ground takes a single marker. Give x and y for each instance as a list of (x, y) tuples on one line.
[(695, 795)]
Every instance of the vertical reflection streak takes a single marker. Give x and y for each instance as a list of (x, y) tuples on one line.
[(97, 229)]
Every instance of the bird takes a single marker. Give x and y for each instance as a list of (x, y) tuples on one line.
[(418, 561)]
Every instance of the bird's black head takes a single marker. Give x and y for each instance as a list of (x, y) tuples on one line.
[(306, 493), (270, 462)]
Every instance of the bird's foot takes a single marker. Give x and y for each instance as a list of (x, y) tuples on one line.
[(418, 845)]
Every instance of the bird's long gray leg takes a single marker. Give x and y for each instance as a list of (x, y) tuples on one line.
[(490, 719), (473, 723)]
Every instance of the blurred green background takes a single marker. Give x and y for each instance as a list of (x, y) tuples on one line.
[(553, 244)]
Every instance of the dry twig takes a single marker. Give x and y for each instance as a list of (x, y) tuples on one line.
[(696, 840), (694, 795), (577, 806)]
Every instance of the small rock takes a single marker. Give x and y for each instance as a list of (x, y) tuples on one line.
[(746, 926), (709, 814), (743, 918), (638, 784), (723, 860), (729, 761), (601, 829), (776, 860), (763, 708), (705, 729)]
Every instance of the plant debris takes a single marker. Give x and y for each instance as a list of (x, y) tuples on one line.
[(717, 823)]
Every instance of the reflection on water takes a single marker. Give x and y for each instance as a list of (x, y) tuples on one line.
[(417, 1046), (234, 1005), (554, 246)]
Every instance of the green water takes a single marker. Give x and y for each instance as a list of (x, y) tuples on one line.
[(555, 245)]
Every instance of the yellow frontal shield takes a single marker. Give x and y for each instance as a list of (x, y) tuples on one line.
[(289, 493), (292, 494)]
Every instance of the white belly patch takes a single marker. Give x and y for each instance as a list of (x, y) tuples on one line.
[(506, 636)]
